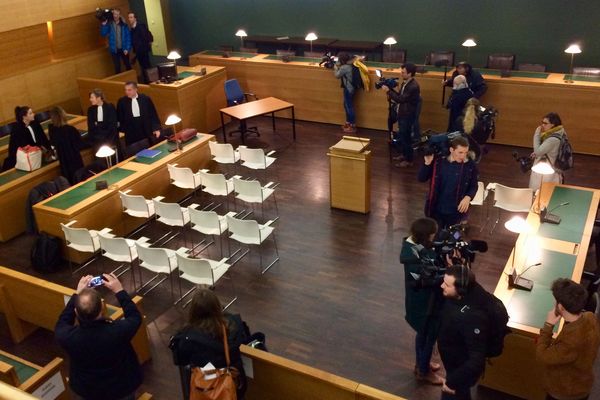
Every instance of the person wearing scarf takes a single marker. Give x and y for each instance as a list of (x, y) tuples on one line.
[(546, 143)]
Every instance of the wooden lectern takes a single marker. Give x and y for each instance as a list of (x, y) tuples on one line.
[(350, 174)]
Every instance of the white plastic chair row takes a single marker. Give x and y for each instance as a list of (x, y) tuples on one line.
[(223, 153)]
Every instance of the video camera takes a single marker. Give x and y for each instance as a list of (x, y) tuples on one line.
[(438, 144), (328, 61), (383, 81), (525, 163), (103, 14), (450, 242)]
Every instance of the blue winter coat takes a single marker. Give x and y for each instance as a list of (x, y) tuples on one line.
[(110, 31)]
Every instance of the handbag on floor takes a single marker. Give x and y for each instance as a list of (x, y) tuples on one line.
[(215, 384), (29, 158)]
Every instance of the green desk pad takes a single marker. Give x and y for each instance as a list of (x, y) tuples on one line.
[(10, 176), (185, 74), (530, 308), (23, 371), (231, 53), (573, 216), (82, 192), (164, 151), (581, 78)]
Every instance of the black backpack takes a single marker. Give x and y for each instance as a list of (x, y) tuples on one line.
[(564, 159), (497, 325), (357, 82), (45, 253)]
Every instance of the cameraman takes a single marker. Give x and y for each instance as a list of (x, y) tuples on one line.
[(119, 40), (407, 100), (343, 71), (423, 299), (453, 184), (475, 80)]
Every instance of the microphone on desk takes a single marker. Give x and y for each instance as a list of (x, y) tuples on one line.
[(516, 281), (547, 216)]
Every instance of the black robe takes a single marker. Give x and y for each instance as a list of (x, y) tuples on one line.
[(136, 129), (106, 131), (21, 137), (68, 144)]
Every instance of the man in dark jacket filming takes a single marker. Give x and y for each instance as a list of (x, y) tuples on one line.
[(103, 364), (463, 332), (475, 80)]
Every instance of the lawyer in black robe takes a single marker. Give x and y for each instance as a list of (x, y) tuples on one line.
[(67, 142), (146, 125), (20, 136), (105, 132)]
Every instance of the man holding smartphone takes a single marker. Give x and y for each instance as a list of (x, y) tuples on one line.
[(103, 364)]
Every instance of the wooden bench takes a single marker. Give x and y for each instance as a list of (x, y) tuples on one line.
[(32, 378), (272, 377), (8, 392), (29, 303)]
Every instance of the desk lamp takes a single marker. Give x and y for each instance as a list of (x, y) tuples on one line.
[(572, 50), (106, 152), (241, 34), (542, 168), (390, 41), (468, 44), (173, 120), (310, 37), (518, 225), (174, 56)]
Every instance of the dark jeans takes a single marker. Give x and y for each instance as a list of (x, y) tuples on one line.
[(117, 57), (143, 58), (403, 139), (548, 397), (349, 106), (424, 342), (462, 394)]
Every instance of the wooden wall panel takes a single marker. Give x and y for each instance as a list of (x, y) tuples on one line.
[(76, 35), (24, 48)]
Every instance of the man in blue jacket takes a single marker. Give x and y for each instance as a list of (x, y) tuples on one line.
[(119, 40), (103, 364), (453, 184)]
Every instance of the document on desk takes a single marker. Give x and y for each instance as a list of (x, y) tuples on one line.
[(148, 153)]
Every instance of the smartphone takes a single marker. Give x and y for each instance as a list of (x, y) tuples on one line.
[(96, 281)]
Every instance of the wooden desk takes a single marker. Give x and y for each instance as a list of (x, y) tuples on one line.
[(94, 209), (521, 99), (256, 108), (195, 99), (15, 186), (562, 250)]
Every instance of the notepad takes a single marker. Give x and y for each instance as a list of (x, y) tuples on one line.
[(148, 153)]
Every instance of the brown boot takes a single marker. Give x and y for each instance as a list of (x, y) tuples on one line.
[(351, 128), (431, 377)]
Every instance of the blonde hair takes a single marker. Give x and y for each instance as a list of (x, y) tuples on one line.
[(470, 115), (58, 116)]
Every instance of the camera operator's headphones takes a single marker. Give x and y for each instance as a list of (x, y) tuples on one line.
[(463, 281)]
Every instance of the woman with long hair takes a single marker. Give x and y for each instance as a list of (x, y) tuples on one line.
[(67, 142), (546, 143), (201, 340), (26, 131)]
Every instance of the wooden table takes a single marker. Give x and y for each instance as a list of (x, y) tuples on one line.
[(521, 99), (194, 98), (245, 111), (15, 186), (97, 209), (562, 250)]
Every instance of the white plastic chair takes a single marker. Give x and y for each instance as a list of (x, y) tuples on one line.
[(250, 191), (184, 178), (138, 207), (82, 240), (479, 200), (216, 184), (120, 250), (171, 214), (201, 271), (223, 153), (208, 222), (256, 158), (250, 232), (511, 199), (157, 260)]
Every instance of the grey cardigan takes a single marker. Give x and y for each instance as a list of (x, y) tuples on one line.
[(344, 72)]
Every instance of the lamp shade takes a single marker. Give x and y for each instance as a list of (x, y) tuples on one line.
[(241, 33), (172, 120), (105, 151), (516, 225), (543, 168), (573, 49), (469, 43), (311, 36), (173, 56), (390, 41)]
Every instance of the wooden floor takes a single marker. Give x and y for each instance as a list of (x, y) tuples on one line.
[(335, 301)]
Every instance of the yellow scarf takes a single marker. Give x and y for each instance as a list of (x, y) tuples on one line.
[(549, 132)]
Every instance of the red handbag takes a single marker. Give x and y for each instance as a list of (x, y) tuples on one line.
[(184, 135)]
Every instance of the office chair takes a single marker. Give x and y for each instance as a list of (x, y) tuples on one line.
[(440, 57), (42, 116), (5, 130), (587, 71), (532, 67), (394, 56), (235, 95), (501, 61)]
